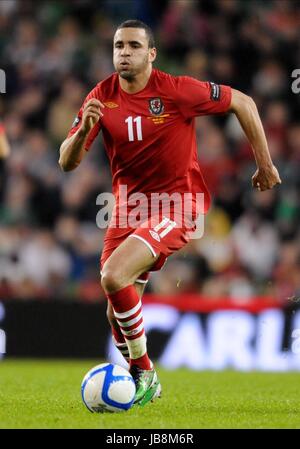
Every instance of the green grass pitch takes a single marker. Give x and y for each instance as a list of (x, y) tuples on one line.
[(46, 394)]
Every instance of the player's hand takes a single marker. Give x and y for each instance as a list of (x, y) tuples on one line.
[(266, 178), (92, 112)]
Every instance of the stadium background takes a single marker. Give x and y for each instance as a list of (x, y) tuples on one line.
[(242, 277)]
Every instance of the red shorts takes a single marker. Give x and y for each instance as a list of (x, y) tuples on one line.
[(161, 236)]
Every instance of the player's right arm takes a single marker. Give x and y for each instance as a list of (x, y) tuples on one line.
[(73, 148)]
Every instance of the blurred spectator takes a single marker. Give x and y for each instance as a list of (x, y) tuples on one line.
[(216, 246), (196, 64), (287, 273), (183, 27), (270, 80), (64, 109), (44, 262), (256, 243)]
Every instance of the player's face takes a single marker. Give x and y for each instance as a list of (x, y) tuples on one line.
[(132, 54)]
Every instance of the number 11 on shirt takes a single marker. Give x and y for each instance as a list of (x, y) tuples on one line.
[(138, 122)]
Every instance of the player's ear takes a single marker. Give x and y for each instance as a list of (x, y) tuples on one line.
[(152, 54)]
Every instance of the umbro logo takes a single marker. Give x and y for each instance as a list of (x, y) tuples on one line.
[(111, 104), (155, 235)]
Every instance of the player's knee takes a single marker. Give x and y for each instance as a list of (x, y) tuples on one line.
[(110, 281)]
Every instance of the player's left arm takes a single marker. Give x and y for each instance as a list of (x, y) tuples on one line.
[(243, 106)]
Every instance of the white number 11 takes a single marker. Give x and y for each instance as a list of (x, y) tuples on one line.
[(138, 121)]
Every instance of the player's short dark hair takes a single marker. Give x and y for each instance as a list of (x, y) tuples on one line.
[(139, 24)]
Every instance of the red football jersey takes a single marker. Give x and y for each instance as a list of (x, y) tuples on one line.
[(150, 136)]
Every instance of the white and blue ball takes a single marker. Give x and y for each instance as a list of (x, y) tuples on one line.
[(108, 388)]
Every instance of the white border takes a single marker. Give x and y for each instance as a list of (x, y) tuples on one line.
[(139, 281)]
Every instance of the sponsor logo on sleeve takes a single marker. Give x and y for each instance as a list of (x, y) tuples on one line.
[(215, 91)]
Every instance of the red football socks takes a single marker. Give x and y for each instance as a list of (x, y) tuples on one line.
[(128, 312)]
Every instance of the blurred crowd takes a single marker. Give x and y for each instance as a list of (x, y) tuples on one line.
[(55, 52)]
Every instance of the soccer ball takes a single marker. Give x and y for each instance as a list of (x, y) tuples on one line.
[(108, 388)]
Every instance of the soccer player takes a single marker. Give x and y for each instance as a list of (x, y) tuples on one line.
[(147, 121)]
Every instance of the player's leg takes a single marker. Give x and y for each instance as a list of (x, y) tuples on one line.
[(113, 239), (117, 336), (119, 273)]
